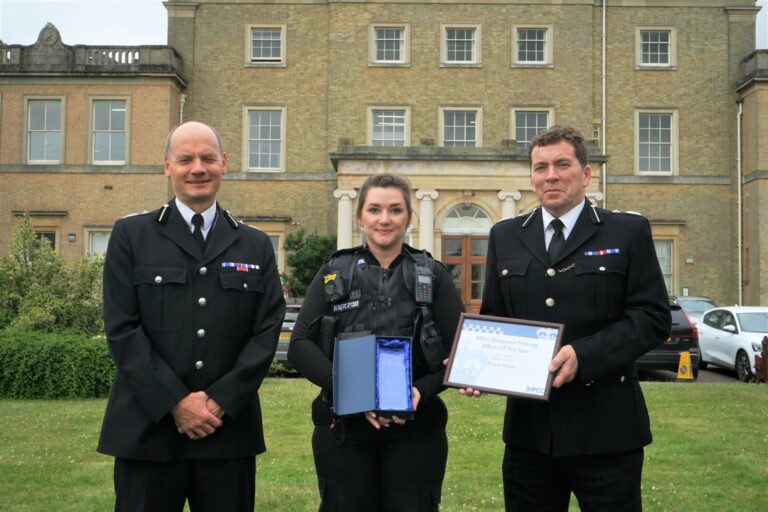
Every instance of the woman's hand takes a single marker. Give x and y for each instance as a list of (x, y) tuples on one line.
[(380, 421)]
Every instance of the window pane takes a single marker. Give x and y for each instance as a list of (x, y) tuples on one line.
[(109, 130), (655, 46), (655, 142), (460, 44), (664, 254), (388, 128), (266, 44), (452, 247), (389, 44), (459, 129), (44, 130), (531, 45), (37, 115), (264, 139), (97, 243), (53, 115), (528, 124), (37, 146)]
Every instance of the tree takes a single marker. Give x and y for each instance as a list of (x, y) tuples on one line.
[(38, 291), (304, 256)]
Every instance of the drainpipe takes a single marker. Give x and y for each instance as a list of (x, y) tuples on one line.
[(740, 243), (182, 101), (604, 117)]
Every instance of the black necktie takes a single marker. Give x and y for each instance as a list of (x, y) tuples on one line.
[(556, 244), (197, 234)]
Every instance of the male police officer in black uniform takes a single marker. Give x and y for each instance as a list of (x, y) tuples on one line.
[(595, 271), (192, 309)]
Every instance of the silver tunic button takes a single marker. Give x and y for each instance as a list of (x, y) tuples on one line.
[(245, 286), (601, 269), (202, 271), (201, 333), (621, 379), (550, 302), (158, 279), (202, 302), (199, 365), (551, 272), (504, 272)]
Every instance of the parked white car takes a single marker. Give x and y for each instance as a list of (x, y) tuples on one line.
[(730, 337)]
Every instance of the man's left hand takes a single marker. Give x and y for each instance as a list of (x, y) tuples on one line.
[(564, 365)]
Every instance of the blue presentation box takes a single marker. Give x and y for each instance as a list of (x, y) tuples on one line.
[(372, 373)]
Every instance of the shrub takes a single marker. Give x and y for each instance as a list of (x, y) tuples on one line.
[(43, 365), (38, 291), (304, 255)]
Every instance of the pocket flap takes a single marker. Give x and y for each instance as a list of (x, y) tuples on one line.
[(242, 281), (160, 275), (613, 264), (516, 267)]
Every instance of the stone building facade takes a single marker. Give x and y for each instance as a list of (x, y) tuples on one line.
[(313, 96)]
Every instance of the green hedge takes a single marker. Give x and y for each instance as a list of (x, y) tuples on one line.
[(45, 365)]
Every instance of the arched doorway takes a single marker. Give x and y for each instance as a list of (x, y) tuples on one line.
[(465, 246)]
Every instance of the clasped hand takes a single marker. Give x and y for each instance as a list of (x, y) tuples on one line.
[(197, 415)]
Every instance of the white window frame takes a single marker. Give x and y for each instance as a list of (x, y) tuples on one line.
[(513, 119), (478, 123), (246, 136), (62, 132), (407, 121), (405, 49), (672, 64), (548, 47), (275, 229), (477, 53), (674, 141), (92, 130), (250, 61), (672, 274), (88, 232)]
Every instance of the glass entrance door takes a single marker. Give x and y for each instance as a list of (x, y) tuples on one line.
[(464, 256)]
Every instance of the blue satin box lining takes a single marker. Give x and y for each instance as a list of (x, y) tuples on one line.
[(372, 373)]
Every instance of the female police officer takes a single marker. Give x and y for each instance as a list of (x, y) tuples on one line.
[(368, 462)]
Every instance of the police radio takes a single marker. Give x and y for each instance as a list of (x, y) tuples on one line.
[(422, 289)]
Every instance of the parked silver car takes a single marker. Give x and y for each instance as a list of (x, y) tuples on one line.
[(730, 337), (695, 306)]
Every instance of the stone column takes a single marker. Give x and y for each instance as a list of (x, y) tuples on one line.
[(345, 217), (508, 200), (427, 218)]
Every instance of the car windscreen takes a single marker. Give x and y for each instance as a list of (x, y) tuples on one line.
[(754, 322), (696, 306)]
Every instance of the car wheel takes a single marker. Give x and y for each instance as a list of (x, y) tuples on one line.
[(743, 369), (702, 363)]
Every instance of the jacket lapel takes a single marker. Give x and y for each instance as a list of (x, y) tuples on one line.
[(177, 231), (220, 237), (532, 235)]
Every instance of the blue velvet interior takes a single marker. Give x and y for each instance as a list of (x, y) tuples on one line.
[(393, 375)]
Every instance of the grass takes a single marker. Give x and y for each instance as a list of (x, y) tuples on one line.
[(710, 451)]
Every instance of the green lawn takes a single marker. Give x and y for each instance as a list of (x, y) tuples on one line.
[(710, 451)]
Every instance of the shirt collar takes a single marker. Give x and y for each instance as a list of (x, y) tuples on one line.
[(209, 216), (569, 218)]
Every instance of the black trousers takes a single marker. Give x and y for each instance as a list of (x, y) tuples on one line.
[(536, 482), (209, 485), (399, 468)]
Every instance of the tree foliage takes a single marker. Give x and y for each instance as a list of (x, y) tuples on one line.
[(304, 256), (38, 291)]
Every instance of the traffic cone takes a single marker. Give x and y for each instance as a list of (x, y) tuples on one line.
[(684, 370)]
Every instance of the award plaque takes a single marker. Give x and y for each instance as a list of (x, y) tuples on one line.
[(505, 356)]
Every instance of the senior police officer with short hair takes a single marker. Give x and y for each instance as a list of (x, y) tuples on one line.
[(192, 308), (595, 271)]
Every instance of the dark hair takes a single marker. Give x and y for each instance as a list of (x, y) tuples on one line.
[(385, 180), (170, 135), (555, 134)]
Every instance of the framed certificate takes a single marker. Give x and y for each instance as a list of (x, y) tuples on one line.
[(504, 356)]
